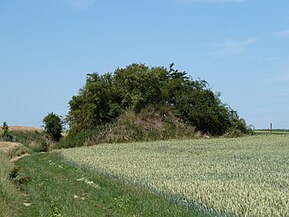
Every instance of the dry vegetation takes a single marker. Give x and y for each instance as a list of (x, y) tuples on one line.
[(9, 195), (24, 139), (8, 147), (23, 128)]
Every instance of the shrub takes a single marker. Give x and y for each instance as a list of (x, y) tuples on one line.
[(6, 136), (39, 146)]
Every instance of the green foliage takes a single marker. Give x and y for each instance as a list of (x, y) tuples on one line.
[(98, 103), (76, 140), (53, 126), (27, 137), (39, 146), (139, 86), (6, 136), (17, 178), (106, 97), (10, 196), (31, 140)]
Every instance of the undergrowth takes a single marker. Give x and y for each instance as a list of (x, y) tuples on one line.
[(10, 196), (148, 125), (34, 141)]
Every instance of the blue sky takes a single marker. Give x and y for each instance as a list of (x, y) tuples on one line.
[(241, 47)]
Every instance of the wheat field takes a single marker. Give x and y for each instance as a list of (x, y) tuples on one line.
[(245, 176)]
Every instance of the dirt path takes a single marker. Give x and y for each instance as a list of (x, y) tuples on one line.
[(16, 158)]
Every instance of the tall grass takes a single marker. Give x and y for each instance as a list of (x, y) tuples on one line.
[(9, 195), (148, 125), (34, 140)]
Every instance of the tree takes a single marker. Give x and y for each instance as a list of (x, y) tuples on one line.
[(139, 86), (135, 87), (53, 126), (98, 103)]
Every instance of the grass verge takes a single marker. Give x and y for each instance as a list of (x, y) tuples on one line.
[(10, 196), (59, 189)]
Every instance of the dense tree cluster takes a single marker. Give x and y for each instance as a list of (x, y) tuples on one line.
[(53, 126), (105, 97)]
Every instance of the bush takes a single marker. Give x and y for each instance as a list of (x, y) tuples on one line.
[(39, 146), (6, 136), (53, 126), (31, 140)]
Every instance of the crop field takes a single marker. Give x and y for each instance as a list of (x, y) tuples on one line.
[(246, 176)]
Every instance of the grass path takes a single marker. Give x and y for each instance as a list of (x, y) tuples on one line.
[(59, 189)]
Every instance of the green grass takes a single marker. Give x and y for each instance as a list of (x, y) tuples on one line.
[(60, 189), (10, 196)]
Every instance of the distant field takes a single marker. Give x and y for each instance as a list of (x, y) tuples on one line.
[(245, 176), (273, 132), (23, 128)]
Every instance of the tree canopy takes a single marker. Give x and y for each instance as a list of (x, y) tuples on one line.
[(53, 126), (137, 86)]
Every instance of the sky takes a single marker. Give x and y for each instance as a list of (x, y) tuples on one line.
[(241, 47)]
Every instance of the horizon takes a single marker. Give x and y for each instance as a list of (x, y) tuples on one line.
[(241, 47)]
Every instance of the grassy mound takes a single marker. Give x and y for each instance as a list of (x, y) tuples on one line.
[(34, 140), (148, 125), (24, 140)]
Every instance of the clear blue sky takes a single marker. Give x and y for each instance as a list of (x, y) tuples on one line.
[(241, 47)]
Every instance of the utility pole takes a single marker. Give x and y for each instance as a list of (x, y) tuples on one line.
[(271, 128)]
